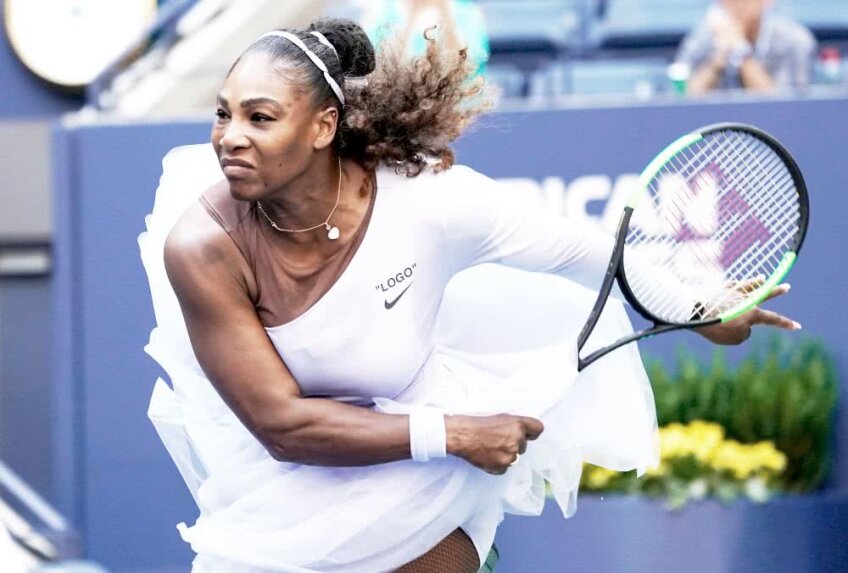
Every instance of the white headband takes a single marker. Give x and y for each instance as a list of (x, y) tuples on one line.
[(312, 56), (323, 39)]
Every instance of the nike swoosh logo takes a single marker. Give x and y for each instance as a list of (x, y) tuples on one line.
[(389, 305)]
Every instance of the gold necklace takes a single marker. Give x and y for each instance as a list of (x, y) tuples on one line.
[(332, 230)]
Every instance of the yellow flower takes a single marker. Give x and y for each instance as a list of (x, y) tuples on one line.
[(674, 442), (657, 471), (698, 439), (730, 457), (769, 457), (707, 443), (706, 437), (744, 460), (597, 477)]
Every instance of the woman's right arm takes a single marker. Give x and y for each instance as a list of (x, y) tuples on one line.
[(209, 277)]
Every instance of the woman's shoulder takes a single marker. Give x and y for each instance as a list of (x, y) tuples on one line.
[(225, 209), (199, 253), (197, 236), (444, 194), (457, 179), (456, 197), (203, 234), (194, 203)]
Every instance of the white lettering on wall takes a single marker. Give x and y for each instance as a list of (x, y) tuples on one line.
[(574, 199)]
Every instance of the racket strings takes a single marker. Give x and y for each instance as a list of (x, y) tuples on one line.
[(730, 229), (740, 179), (725, 211), (786, 210), (651, 296)]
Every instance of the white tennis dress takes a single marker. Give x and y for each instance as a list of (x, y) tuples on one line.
[(416, 318)]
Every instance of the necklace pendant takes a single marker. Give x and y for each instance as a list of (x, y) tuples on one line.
[(332, 233)]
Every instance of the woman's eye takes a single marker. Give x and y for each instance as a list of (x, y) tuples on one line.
[(221, 114), (261, 118)]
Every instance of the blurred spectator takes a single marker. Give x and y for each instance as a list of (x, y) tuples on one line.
[(460, 25), (742, 43)]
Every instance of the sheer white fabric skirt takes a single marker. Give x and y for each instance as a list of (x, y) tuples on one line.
[(507, 343)]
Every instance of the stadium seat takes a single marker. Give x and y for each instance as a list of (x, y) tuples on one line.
[(648, 23), (828, 19), (528, 35), (636, 76)]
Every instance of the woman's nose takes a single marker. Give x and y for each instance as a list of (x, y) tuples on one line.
[(233, 136)]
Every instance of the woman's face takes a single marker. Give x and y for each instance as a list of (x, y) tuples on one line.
[(266, 130)]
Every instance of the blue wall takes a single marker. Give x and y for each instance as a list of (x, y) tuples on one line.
[(625, 534), (116, 480), (25, 390), (110, 463), (25, 402)]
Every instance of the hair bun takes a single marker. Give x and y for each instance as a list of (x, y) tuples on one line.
[(356, 53)]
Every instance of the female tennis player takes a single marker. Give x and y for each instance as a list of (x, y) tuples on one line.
[(337, 405)]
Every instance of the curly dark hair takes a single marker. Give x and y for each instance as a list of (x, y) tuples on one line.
[(399, 111)]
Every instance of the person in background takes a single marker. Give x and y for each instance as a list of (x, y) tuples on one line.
[(743, 44), (459, 24)]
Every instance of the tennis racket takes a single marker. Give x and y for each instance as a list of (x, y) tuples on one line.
[(716, 223)]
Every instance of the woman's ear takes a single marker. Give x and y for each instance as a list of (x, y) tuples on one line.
[(326, 123)]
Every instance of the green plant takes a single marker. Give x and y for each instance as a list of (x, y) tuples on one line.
[(784, 392), (761, 427)]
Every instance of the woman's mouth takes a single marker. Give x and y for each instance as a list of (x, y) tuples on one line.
[(236, 171), (235, 168)]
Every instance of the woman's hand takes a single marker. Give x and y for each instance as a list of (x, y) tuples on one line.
[(738, 330), (491, 443)]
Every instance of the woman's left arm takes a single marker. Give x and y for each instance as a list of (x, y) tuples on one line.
[(487, 223)]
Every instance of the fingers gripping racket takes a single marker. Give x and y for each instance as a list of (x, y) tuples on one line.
[(715, 224)]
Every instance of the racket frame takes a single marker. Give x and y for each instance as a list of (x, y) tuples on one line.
[(615, 270)]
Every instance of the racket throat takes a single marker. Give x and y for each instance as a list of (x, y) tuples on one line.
[(647, 333), (607, 284), (615, 272)]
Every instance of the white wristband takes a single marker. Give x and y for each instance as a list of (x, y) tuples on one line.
[(427, 436)]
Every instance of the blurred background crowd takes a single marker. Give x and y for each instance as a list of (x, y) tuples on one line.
[(165, 62)]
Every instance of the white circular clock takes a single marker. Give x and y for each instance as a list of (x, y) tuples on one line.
[(69, 42)]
